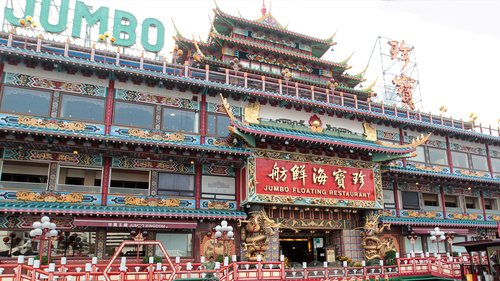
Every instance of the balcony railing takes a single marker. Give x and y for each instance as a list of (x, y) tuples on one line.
[(128, 191), (23, 185), (239, 78), (78, 188)]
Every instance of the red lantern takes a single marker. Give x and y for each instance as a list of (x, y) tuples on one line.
[(6, 239), (209, 234), (12, 235)]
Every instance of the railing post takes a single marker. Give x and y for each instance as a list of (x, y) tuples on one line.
[(341, 98), (452, 122), (92, 53), (296, 89), (39, 43), (227, 76), (186, 68), (246, 79), (263, 83), (207, 72), (430, 117), (118, 59), (407, 113), (441, 119), (11, 37), (490, 129), (369, 104), (395, 110), (164, 65), (327, 96), (462, 124), (356, 101), (481, 128), (141, 62), (382, 106), (281, 86), (312, 93), (66, 48)]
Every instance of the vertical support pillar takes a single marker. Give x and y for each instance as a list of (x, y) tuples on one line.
[(482, 204), (106, 173), (419, 115), (207, 72), (197, 185), (141, 62), (396, 197), (100, 243), (263, 83), (150, 248), (227, 76), (154, 183), (312, 92), (117, 63), (186, 68), (164, 65), (1, 73), (368, 101), (296, 89), (341, 98), (203, 119), (92, 53), (401, 142), (356, 101), (327, 96), (281, 86), (382, 106), (442, 200), (39, 43), (246, 79), (109, 107), (448, 150), (11, 37), (66, 48), (238, 187), (488, 158), (52, 176), (453, 123), (430, 117)]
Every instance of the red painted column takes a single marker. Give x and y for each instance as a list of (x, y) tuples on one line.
[(238, 186), (401, 142), (396, 197), (488, 158), (442, 200), (105, 180), (197, 185), (482, 204), (450, 163), (203, 119), (109, 107)]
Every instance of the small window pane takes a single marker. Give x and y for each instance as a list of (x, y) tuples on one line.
[(495, 165), (389, 199), (222, 124), (180, 120), (211, 125), (218, 187), (460, 160), (82, 108), (26, 101), (420, 155), (438, 156), (479, 163), (451, 201), (410, 200), (459, 249), (418, 245), (134, 114), (431, 200), (176, 244), (175, 184)]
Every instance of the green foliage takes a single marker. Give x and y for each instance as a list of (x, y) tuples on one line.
[(390, 257), (455, 254), (373, 262), (44, 259), (220, 259), (157, 259)]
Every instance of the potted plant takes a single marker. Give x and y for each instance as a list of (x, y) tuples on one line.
[(156, 259)]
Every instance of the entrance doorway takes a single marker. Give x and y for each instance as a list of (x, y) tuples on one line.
[(297, 250)]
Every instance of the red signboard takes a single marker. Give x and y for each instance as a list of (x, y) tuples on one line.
[(287, 178)]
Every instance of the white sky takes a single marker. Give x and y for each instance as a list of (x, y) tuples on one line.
[(456, 42)]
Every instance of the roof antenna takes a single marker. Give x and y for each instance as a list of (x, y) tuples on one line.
[(263, 10)]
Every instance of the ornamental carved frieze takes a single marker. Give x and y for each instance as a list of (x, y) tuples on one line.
[(155, 135), (48, 196), (218, 205), (432, 168), (51, 124), (421, 214), (465, 216), (151, 202)]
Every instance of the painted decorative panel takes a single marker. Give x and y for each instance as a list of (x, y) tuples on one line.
[(387, 213), (151, 201), (218, 171), (471, 173), (388, 135), (394, 163), (218, 204), (461, 191), (352, 244), (420, 214), (464, 216), (173, 167), (51, 196), (494, 153), (41, 124), (32, 155), (218, 108), (429, 167), (475, 150), (43, 83), (154, 136), (388, 185), (12, 221), (129, 95), (418, 187)]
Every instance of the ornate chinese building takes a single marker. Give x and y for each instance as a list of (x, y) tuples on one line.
[(254, 127)]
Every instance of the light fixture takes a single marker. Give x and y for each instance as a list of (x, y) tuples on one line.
[(369, 154), (306, 209), (263, 140), (327, 210), (274, 207), (316, 209), (192, 162), (296, 208), (469, 188), (170, 160), (351, 151), (75, 152), (331, 147), (286, 142), (416, 183), (172, 114)]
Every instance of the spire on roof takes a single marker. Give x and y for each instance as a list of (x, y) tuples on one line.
[(263, 10)]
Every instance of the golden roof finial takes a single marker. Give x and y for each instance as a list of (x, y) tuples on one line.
[(362, 71), (240, 13), (371, 86), (287, 25), (216, 4), (342, 62), (212, 24), (178, 33), (330, 39)]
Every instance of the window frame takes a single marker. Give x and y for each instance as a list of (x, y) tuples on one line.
[(432, 194), (133, 126), (476, 203), (61, 94), (193, 236), (492, 165), (453, 152), (425, 155), (216, 126), (494, 204), (485, 159), (176, 190), (439, 149), (195, 126), (457, 201), (29, 88), (148, 190), (389, 205), (417, 207), (203, 194)]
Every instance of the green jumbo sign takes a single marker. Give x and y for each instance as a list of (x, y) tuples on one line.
[(100, 16)]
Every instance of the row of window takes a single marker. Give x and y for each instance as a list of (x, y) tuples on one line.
[(122, 181), (83, 244), (411, 201), (87, 108), (436, 156)]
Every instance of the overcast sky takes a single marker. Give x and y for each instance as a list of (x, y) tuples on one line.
[(456, 42)]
